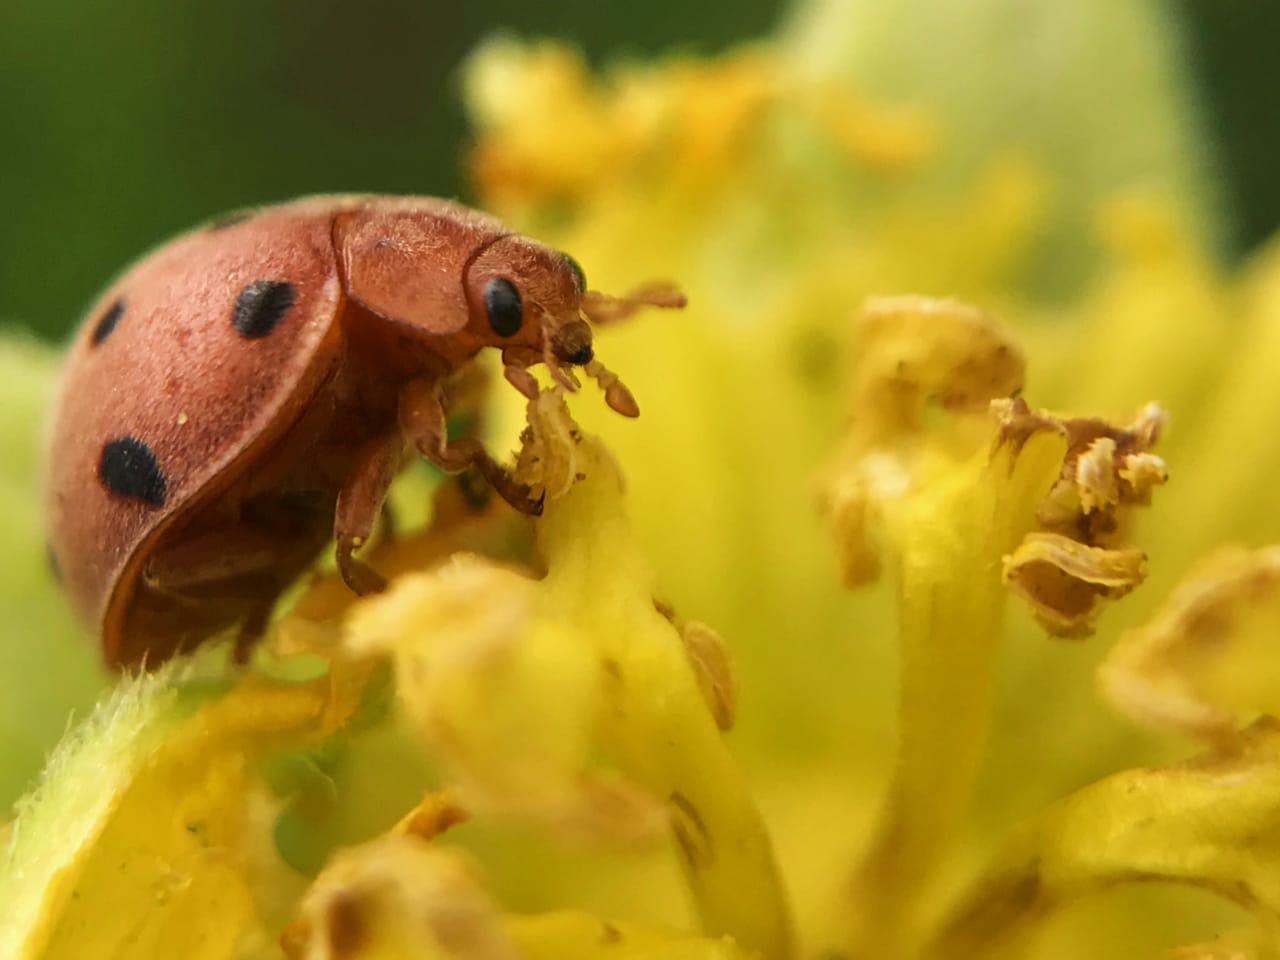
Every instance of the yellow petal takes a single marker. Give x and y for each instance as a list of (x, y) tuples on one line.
[(147, 837), (572, 935), (474, 661), (1205, 663)]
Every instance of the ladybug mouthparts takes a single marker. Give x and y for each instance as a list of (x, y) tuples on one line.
[(570, 343), (568, 346)]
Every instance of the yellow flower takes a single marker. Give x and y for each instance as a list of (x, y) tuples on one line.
[(956, 370)]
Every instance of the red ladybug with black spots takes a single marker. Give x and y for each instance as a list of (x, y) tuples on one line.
[(247, 393)]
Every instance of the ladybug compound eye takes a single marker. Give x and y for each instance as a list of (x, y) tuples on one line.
[(502, 304), (575, 268)]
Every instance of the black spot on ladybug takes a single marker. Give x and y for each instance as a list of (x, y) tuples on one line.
[(231, 219), (260, 306), (55, 568), (502, 304), (107, 322), (575, 268), (128, 468)]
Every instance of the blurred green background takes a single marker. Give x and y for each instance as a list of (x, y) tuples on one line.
[(126, 122)]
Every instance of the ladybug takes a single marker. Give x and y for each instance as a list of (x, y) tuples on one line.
[(248, 392)]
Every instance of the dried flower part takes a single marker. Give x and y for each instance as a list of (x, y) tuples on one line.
[(1205, 663), (1108, 469), (549, 459), (397, 897), (1067, 582), (1078, 561)]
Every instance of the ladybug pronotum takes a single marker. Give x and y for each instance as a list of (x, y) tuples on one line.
[(249, 391)]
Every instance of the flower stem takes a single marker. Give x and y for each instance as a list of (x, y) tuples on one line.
[(656, 723), (950, 537)]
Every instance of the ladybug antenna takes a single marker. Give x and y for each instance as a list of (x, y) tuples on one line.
[(616, 394), (602, 308)]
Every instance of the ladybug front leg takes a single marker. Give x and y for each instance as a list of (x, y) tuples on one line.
[(422, 419), (359, 504)]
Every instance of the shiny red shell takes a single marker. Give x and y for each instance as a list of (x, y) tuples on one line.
[(245, 375)]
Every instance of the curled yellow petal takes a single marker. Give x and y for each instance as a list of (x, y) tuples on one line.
[(1206, 662), (475, 660), (1109, 470), (1067, 582), (1213, 823), (917, 351), (914, 353)]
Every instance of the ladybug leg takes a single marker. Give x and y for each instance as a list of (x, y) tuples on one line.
[(252, 629), (387, 532), (220, 555), (232, 572), (422, 419), (359, 502)]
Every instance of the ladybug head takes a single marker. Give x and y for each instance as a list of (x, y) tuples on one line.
[(532, 302), (402, 260)]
